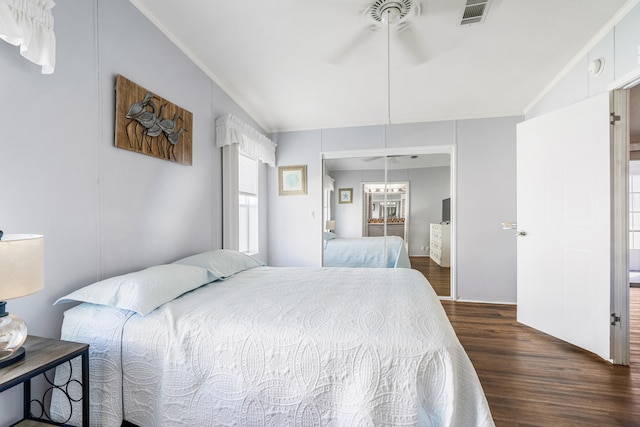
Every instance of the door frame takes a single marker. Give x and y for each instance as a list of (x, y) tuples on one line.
[(620, 345)]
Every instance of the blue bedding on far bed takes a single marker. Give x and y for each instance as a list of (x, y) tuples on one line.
[(368, 252)]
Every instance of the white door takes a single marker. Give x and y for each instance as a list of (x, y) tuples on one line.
[(564, 207)]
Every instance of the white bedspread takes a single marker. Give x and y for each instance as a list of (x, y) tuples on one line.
[(371, 252), (283, 347)]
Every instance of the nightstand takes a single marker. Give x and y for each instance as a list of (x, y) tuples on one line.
[(42, 355)]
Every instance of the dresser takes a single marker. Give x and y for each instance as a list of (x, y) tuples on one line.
[(440, 246)]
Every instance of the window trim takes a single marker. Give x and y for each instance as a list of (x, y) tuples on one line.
[(230, 198)]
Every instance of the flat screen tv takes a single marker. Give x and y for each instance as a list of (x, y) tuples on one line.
[(446, 211)]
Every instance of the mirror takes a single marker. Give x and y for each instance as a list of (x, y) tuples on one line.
[(391, 194)]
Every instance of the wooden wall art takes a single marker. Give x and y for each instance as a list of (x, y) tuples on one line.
[(151, 125)]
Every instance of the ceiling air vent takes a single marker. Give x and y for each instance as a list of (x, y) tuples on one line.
[(474, 11)]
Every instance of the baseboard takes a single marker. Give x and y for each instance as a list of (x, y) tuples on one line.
[(485, 302)]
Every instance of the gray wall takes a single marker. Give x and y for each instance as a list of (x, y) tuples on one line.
[(295, 222), (486, 196), (348, 216), (429, 186), (103, 210)]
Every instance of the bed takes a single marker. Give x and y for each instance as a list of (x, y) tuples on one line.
[(271, 346), (371, 252)]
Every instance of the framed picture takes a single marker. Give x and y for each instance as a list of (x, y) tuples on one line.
[(292, 180), (345, 195)]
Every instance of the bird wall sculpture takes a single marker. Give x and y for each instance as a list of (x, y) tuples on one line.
[(149, 124), (159, 132)]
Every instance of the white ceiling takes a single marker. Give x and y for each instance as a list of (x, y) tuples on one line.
[(303, 64)]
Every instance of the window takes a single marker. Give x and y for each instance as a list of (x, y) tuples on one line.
[(247, 204), (243, 151), (634, 212), (328, 188)]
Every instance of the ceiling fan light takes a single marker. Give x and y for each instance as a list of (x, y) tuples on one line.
[(392, 15), (392, 11)]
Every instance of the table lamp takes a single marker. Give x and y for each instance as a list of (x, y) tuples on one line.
[(330, 225), (21, 274)]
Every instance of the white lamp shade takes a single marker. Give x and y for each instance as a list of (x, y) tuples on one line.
[(330, 225), (21, 265)]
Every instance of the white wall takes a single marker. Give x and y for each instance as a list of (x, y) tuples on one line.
[(619, 48), (486, 196), (103, 210)]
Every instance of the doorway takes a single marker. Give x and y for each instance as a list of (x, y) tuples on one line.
[(634, 221), (385, 209), (634, 186)]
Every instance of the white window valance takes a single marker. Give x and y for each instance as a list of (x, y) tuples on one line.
[(232, 130), (29, 24), (328, 183)]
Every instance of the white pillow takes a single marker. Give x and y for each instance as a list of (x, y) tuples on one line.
[(222, 263), (142, 291)]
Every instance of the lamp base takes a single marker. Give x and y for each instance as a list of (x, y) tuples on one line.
[(17, 356)]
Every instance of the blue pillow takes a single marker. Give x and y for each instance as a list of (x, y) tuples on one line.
[(142, 291), (328, 235), (222, 263)]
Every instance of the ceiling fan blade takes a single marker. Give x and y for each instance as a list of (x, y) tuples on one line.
[(390, 157), (373, 159), (412, 46), (356, 45)]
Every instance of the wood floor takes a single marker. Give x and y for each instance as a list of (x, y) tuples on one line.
[(439, 277), (532, 379)]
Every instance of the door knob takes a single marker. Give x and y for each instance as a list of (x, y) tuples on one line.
[(521, 233)]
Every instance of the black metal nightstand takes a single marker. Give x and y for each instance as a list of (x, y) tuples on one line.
[(42, 355)]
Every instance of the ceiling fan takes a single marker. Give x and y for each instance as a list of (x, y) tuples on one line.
[(391, 157), (398, 16)]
